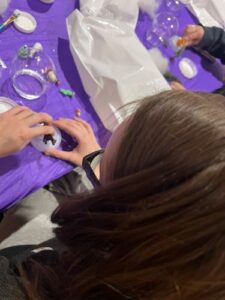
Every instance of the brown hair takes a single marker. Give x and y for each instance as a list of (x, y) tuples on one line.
[(157, 231)]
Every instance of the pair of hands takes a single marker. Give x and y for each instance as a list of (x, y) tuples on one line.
[(17, 129)]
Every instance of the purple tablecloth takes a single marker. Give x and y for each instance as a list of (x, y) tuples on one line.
[(29, 170)]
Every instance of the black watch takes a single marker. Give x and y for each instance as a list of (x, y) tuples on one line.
[(89, 163)]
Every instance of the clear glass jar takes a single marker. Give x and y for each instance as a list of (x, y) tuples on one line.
[(30, 72)]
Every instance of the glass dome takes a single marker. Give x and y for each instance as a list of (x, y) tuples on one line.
[(173, 5), (168, 22), (32, 72)]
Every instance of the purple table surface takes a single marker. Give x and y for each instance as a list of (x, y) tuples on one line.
[(28, 170)]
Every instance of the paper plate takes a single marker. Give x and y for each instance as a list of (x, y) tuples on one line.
[(6, 104), (188, 68), (25, 22)]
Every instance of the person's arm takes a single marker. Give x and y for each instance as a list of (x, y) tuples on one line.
[(17, 128), (211, 39)]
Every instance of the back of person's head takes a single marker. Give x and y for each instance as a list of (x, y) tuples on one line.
[(156, 229)]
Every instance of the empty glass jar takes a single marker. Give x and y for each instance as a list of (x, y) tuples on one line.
[(31, 72)]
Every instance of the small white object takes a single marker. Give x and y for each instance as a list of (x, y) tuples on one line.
[(47, 1), (173, 43), (160, 60), (188, 68), (3, 6), (40, 145), (25, 22), (6, 104), (36, 48)]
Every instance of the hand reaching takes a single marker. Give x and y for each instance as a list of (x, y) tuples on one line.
[(17, 128), (84, 135)]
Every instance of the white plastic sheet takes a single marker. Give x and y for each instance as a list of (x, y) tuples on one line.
[(115, 68), (209, 12)]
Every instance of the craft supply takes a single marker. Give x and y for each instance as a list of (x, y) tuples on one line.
[(47, 1), (6, 104), (67, 92), (35, 49), (3, 6), (10, 20), (181, 42), (188, 68), (2, 64), (44, 142), (25, 22), (23, 52), (28, 71), (78, 112), (51, 75)]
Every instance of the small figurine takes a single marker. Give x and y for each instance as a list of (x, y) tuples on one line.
[(78, 112), (36, 48), (51, 75), (181, 42), (23, 52), (66, 92), (47, 138)]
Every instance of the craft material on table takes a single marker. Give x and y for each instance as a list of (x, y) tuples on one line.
[(10, 20), (25, 22), (67, 92), (188, 68), (47, 1)]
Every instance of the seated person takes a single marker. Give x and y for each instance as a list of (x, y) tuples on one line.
[(155, 228)]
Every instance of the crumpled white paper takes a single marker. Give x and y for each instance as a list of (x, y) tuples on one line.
[(209, 12), (115, 68)]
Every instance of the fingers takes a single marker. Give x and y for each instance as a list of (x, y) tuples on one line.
[(40, 130), (16, 110), (177, 86), (36, 118), (64, 155), (66, 125), (73, 128), (86, 125)]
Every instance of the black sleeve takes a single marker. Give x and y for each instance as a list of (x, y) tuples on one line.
[(214, 42)]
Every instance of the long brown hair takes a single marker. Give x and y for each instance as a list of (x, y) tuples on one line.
[(157, 230)]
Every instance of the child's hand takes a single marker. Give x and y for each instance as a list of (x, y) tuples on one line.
[(177, 86), (17, 128), (193, 34), (84, 135)]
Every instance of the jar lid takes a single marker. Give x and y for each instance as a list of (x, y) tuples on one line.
[(188, 68), (6, 104), (25, 22), (47, 1)]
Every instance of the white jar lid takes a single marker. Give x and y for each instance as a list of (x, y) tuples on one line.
[(6, 104), (47, 1), (25, 22), (188, 68)]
